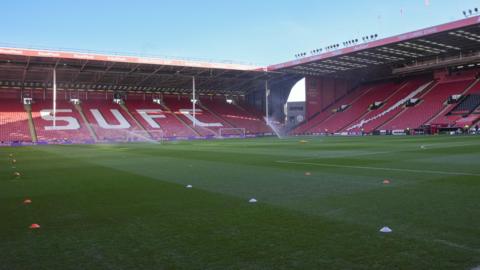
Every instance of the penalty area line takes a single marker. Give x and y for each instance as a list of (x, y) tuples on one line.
[(377, 168)]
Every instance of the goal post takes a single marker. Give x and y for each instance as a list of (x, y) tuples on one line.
[(145, 136), (157, 135), (232, 132)]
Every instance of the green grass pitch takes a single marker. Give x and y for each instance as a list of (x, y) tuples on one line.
[(320, 204)]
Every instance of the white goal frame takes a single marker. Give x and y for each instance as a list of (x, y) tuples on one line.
[(159, 135), (144, 135), (222, 131)]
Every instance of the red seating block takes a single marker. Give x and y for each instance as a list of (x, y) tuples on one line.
[(168, 125), (44, 129), (431, 104), (13, 121), (236, 116), (120, 127)]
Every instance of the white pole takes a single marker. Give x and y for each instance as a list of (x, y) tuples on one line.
[(266, 101), (194, 100), (54, 97)]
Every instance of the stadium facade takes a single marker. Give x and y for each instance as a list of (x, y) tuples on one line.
[(421, 81)]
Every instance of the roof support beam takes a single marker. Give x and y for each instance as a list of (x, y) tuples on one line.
[(149, 76), (123, 77), (74, 79), (25, 70), (104, 73)]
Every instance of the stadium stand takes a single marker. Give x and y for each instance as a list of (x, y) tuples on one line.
[(110, 122), (392, 114), (358, 108), (207, 123), (456, 116), (13, 122), (467, 105), (165, 124), (433, 101), (99, 118), (469, 120), (392, 106), (369, 107), (72, 128), (310, 125), (235, 115)]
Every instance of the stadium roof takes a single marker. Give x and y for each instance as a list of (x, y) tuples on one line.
[(451, 43), (450, 39), (78, 70)]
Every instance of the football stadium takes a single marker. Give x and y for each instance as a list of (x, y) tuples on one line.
[(126, 161)]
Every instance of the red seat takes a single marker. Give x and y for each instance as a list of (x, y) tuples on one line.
[(79, 134), (13, 121), (211, 122), (168, 126), (375, 118), (430, 105), (236, 116), (359, 107), (107, 109)]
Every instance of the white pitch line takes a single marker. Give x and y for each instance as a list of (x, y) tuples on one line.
[(378, 168), (455, 245), (408, 149), (343, 155)]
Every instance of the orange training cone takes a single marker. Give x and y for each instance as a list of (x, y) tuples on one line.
[(34, 226), (27, 201)]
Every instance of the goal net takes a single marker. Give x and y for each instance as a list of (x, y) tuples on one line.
[(157, 135), (232, 132), (145, 136)]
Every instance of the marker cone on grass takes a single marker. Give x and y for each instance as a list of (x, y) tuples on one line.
[(385, 229), (252, 200), (27, 201), (34, 226), (386, 181)]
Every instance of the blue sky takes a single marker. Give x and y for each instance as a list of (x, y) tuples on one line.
[(252, 31)]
